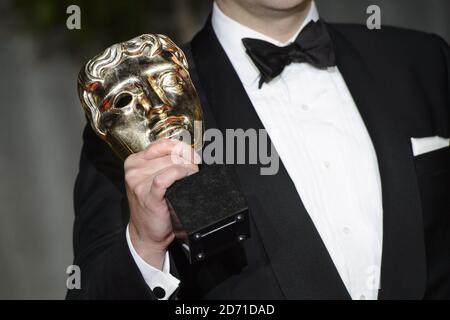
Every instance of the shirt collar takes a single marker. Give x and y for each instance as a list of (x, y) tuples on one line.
[(230, 34)]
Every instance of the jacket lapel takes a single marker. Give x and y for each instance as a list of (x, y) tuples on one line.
[(294, 248), (403, 268)]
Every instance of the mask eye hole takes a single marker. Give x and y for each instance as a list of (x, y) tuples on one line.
[(123, 100)]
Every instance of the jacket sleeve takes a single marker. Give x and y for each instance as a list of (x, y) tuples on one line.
[(108, 270), (439, 95)]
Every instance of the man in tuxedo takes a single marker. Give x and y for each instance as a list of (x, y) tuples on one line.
[(360, 206)]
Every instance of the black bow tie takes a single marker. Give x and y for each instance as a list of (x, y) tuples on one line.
[(313, 45)]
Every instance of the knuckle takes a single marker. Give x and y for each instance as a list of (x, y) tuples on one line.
[(129, 161), (139, 189), (130, 174), (158, 182)]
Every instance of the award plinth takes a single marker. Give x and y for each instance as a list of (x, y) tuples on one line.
[(210, 212)]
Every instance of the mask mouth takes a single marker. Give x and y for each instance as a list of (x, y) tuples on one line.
[(171, 127)]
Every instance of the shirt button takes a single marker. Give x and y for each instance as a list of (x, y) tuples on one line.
[(159, 292), (346, 230), (327, 164), (362, 297), (305, 107)]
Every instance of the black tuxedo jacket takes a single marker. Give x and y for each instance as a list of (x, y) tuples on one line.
[(400, 82)]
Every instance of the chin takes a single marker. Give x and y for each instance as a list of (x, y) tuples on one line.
[(282, 5)]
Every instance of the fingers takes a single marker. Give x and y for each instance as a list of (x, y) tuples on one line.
[(165, 178), (149, 173), (179, 152), (148, 168), (177, 149), (184, 153), (157, 149)]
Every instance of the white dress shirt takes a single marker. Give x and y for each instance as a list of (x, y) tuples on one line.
[(318, 132), (154, 277)]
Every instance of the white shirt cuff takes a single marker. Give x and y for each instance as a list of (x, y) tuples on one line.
[(153, 276)]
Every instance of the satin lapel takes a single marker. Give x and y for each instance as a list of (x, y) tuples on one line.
[(403, 268), (295, 250)]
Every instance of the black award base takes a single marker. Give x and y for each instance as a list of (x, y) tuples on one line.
[(210, 212)]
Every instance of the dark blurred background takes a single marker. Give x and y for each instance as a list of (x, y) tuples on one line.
[(42, 121)]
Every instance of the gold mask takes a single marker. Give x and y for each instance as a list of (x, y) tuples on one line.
[(138, 91)]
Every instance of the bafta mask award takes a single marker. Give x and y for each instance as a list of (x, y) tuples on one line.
[(139, 91)]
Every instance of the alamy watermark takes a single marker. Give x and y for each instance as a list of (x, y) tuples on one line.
[(73, 281), (374, 20), (233, 146), (73, 21)]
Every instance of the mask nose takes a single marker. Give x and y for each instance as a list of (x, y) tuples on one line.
[(153, 104)]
